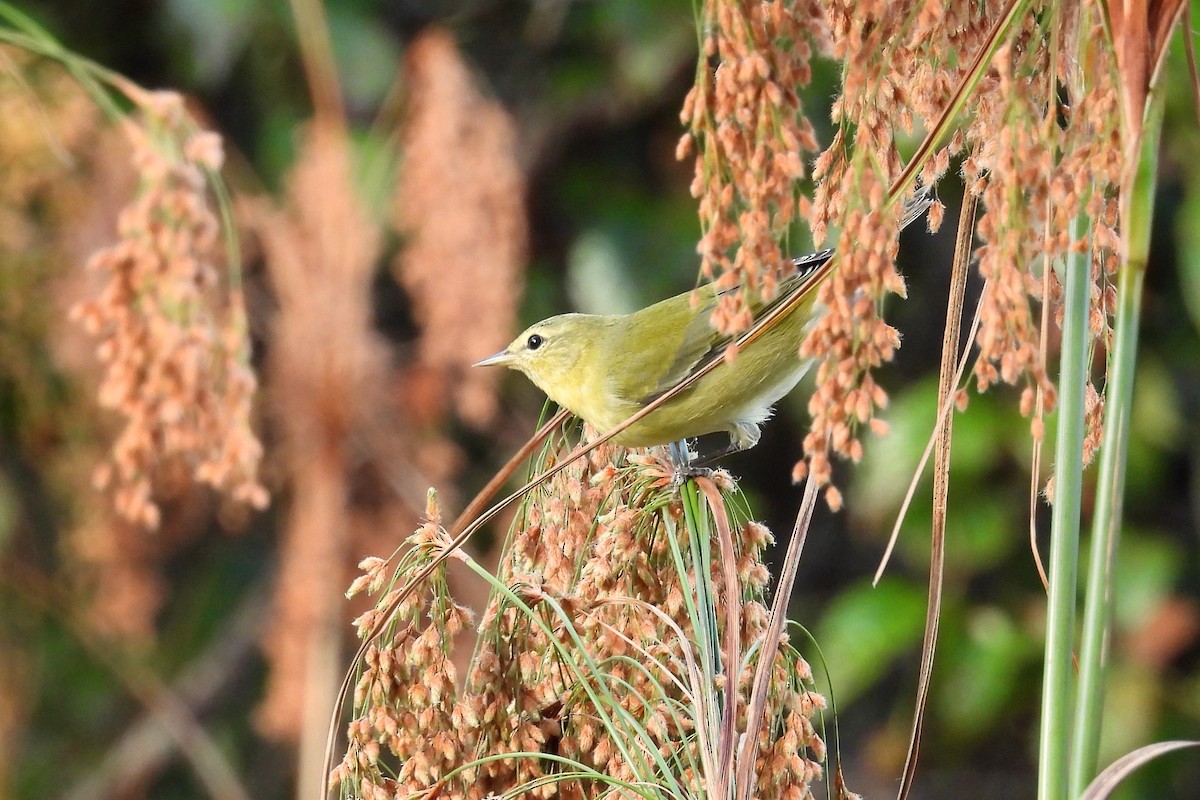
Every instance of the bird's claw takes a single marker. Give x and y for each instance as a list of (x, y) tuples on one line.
[(682, 475)]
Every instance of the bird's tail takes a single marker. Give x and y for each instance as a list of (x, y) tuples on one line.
[(916, 206)]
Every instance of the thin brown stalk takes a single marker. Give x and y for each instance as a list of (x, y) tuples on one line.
[(1033, 530), (1039, 416), (479, 503), (320, 68), (947, 381), (1107, 781), (943, 415), (1140, 32), (1189, 47)]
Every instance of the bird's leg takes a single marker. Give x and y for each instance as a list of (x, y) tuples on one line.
[(681, 460), (742, 436), (681, 456)]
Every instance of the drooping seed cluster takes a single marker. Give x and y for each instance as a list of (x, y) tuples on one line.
[(790, 750), (321, 250), (1046, 149), (589, 555), (407, 687), (173, 338), (895, 70), (1040, 146), (1036, 163), (750, 140), (852, 339), (460, 209)]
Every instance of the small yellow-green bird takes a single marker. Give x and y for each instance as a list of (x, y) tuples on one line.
[(604, 368)]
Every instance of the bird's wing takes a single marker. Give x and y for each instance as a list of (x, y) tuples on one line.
[(701, 342), (700, 339), (666, 341)]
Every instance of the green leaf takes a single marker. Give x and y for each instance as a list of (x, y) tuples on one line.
[(980, 687), (866, 629)]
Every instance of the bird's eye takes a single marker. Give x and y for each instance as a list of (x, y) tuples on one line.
[(534, 342)]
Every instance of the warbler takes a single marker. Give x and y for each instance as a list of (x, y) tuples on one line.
[(604, 368)]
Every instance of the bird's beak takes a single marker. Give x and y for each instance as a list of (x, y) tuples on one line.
[(501, 359)]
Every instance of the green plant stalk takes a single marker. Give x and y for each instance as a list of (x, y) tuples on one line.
[(1136, 219), (700, 543), (1053, 745), (705, 621), (26, 33), (704, 697), (705, 706)]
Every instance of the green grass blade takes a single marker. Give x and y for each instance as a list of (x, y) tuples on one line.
[(1054, 741), (1106, 522)]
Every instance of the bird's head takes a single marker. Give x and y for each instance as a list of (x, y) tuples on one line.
[(550, 352)]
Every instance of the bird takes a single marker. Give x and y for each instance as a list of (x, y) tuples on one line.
[(604, 368)]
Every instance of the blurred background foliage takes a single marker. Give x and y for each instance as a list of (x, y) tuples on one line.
[(594, 89)]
